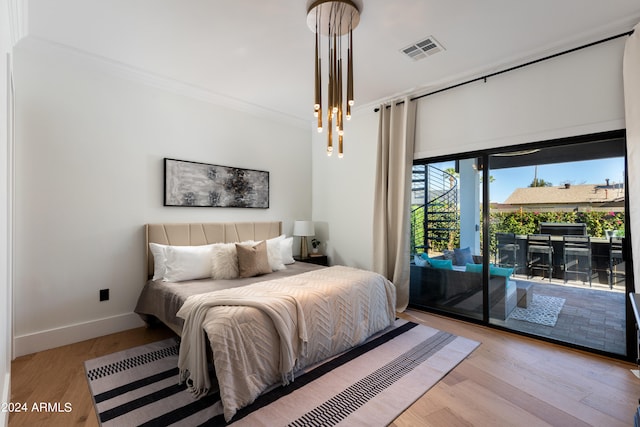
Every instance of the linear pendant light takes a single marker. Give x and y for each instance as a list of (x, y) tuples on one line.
[(333, 19)]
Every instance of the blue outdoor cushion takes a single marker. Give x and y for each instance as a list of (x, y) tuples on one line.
[(473, 268), (500, 271), (444, 264)]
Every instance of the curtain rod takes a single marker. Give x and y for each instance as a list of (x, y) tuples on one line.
[(535, 61)]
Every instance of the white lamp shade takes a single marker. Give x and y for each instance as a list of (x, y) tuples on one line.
[(303, 228)]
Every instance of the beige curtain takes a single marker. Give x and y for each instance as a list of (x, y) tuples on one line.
[(392, 200), (631, 76)]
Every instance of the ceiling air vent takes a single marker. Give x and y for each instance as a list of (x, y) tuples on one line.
[(420, 50)]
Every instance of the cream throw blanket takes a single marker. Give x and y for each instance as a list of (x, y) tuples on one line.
[(285, 313), (261, 339)]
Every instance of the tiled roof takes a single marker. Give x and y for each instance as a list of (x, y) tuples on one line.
[(587, 193)]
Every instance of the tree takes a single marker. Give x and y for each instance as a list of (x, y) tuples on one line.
[(452, 171), (539, 182)]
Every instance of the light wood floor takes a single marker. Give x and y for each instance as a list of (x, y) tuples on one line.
[(57, 376), (508, 381)]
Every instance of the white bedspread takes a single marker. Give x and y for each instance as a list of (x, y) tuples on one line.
[(334, 308)]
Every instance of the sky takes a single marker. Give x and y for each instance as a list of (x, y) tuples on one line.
[(576, 173)]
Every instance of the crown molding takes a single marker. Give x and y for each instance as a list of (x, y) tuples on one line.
[(148, 78)]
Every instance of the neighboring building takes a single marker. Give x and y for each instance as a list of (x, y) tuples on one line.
[(567, 197)]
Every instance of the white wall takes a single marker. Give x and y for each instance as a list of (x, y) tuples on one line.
[(343, 192), (5, 254), (89, 173), (574, 94)]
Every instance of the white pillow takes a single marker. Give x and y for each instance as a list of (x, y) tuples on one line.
[(187, 263), (224, 261), (159, 260), (419, 261), (274, 253), (286, 250)]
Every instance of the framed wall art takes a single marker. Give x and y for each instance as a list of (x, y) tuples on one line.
[(204, 185)]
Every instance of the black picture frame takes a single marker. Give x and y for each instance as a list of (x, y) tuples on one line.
[(195, 184)]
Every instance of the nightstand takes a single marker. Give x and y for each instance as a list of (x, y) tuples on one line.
[(317, 259)]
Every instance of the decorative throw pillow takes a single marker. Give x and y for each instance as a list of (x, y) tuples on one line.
[(448, 254), (253, 260), (274, 253), (187, 263), (445, 264), (463, 256), (159, 260), (224, 261), (420, 261), (286, 249)]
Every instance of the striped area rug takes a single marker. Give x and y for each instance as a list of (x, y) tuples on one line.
[(369, 385)]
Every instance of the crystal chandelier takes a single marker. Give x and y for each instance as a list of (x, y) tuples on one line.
[(334, 19)]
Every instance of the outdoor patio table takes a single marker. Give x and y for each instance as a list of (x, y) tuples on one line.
[(599, 257)]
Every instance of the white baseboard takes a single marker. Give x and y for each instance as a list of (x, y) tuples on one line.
[(51, 338), (5, 397)]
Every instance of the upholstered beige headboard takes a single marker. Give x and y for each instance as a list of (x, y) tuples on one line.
[(194, 234)]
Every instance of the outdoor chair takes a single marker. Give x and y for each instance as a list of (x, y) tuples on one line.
[(539, 254), (615, 258), (576, 256), (506, 250)]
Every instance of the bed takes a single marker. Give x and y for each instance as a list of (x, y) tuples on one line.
[(262, 329)]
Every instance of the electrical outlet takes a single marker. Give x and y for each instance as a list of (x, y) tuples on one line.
[(104, 294)]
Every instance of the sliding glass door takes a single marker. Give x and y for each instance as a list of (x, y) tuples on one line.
[(446, 237), (545, 256), (558, 221)]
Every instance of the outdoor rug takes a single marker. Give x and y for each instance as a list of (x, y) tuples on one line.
[(369, 385), (543, 310)]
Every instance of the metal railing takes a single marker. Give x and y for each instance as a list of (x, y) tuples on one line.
[(434, 213)]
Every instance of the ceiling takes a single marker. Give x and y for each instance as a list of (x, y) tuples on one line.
[(590, 147), (260, 52)]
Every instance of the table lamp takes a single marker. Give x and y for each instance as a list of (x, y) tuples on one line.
[(303, 229)]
